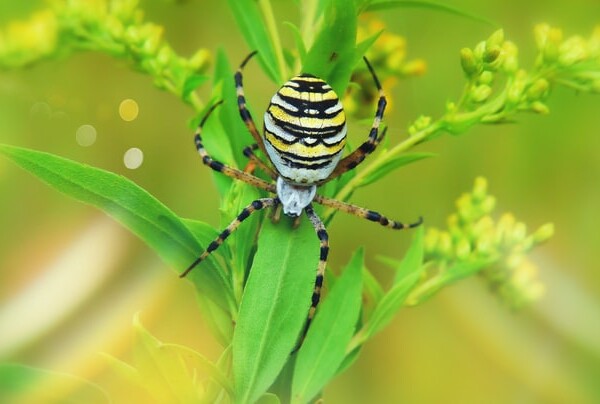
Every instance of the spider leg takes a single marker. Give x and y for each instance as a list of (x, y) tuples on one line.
[(255, 206), (357, 156), (241, 100), (249, 152), (222, 168), (365, 213), (324, 251)]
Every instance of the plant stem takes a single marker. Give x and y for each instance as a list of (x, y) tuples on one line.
[(383, 158)]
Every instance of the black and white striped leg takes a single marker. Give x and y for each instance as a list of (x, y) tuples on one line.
[(365, 213), (249, 152), (324, 252), (222, 168), (357, 156), (241, 101), (255, 206)]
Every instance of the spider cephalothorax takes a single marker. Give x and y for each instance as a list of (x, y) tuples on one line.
[(304, 137)]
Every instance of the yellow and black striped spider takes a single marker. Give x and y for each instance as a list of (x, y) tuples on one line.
[(304, 137)]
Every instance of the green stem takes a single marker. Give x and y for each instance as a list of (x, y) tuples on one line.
[(267, 11)]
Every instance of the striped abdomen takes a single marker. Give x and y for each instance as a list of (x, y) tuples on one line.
[(305, 130)]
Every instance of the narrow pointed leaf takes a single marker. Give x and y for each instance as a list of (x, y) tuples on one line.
[(324, 348), (164, 373), (274, 305), (133, 207), (249, 20), (373, 289), (333, 55), (349, 360)]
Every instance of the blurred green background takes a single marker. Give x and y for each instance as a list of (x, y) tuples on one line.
[(71, 279)]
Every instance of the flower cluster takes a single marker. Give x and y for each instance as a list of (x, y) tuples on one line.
[(573, 62), (498, 87), (24, 42), (497, 249), (115, 27), (388, 57)]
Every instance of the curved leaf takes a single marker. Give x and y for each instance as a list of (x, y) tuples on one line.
[(249, 20), (25, 384), (274, 305), (324, 348), (378, 5), (133, 207)]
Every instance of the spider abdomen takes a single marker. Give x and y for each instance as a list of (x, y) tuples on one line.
[(305, 130)]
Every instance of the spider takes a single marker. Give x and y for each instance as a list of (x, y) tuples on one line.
[(304, 137)]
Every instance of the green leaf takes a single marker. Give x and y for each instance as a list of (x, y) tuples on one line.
[(324, 348), (25, 384), (372, 288), (274, 305), (408, 274), (205, 233), (298, 41), (133, 207), (413, 259), (213, 389), (249, 20), (165, 372), (217, 319), (268, 398), (349, 360), (242, 242), (393, 164), (379, 5), (333, 55)]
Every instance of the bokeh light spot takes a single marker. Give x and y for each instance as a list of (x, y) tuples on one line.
[(85, 135), (133, 158), (40, 110), (128, 110)]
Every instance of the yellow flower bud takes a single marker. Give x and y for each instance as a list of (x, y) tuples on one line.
[(431, 240), (544, 233), (488, 204), (538, 89), (200, 60), (468, 62), (511, 62), (416, 67), (496, 39), (480, 93), (463, 249), (480, 188), (573, 50), (540, 108), (445, 245)]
